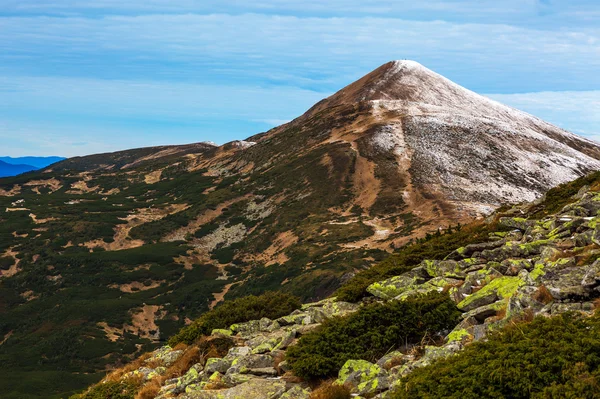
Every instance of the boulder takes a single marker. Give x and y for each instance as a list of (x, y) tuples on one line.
[(499, 288), (253, 389), (363, 377), (397, 285), (296, 392)]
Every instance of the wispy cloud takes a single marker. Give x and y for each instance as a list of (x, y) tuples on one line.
[(219, 70)]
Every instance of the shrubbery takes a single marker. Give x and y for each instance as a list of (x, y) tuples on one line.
[(370, 333), (270, 304), (560, 196), (548, 358), (434, 247), (110, 390)]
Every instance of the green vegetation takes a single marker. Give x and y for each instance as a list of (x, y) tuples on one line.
[(370, 333), (435, 247), (562, 195), (547, 358), (271, 305), (110, 390)]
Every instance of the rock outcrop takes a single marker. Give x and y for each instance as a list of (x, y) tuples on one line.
[(528, 268)]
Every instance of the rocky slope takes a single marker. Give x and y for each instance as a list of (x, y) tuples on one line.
[(104, 257), (533, 266)]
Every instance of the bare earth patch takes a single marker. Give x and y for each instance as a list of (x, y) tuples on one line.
[(40, 221), (6, 337), (142, 216), (15, 190), (14, 269), (29, 295), (206, 217), (112, 334), (220, 296), (275, 253), (137, 286), (81, 187), (53, 184), (144, 322), (153, 177)]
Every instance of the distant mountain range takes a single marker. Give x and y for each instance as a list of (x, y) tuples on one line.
[(15, 166)]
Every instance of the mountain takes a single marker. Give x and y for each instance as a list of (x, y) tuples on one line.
[(37, 162), (518, 291), (7, 169), (106, 256)]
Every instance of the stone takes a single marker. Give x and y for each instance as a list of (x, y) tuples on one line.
[(392, 359), (217, 364), (395, 286), (363, 377), (252, 389), (483, 312), (245, 364), (296, 392), (499, 288)]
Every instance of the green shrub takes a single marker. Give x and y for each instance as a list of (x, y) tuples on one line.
[(270, 304), (6, 262), (370, 333), (109, 390), (560, 196), (434, 247), (548, 358)]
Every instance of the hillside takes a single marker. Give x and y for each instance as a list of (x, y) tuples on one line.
[(516, 315), (7, 169), (36, 162), (104, 257)]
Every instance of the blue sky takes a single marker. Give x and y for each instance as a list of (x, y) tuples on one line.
[(81, 77)]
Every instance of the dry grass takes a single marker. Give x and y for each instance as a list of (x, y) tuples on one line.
[(500, 315), (527, 317), (330, 390), (543, 295), (393, 362), (279, 357), (150, 390), (597, 303), (118, 374), (204, 348)]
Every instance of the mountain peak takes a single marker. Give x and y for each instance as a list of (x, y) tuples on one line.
[(403, 80)]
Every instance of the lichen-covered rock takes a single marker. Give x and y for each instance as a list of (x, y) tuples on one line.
[(363, 377), (296, 392), (217, 364), (516, 223), (264, 343), (165, 355), (253, 389), (393, 287), (499, 288), (245, 364), (392, 359), (432, 353), (573, 282), (221, 332)]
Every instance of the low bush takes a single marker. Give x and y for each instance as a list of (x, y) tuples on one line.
[(547, 358), (370, 333), (270, 304), (562, 195), (110, 390)]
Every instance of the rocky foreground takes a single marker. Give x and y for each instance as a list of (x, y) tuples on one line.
[(532, 267)]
